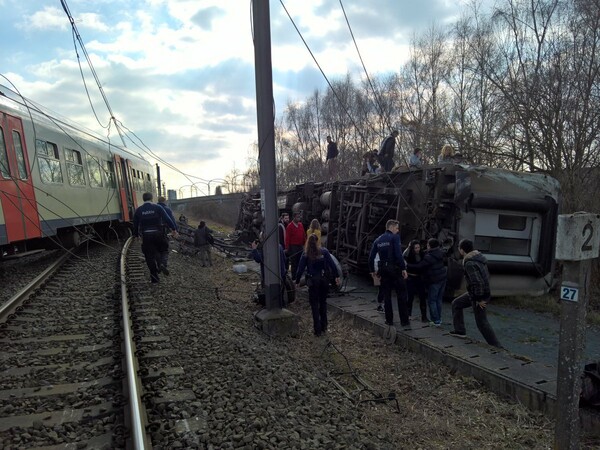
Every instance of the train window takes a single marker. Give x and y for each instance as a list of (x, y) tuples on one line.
[(94, 171), (109, 171), (515, 223), (74, 167), (48, 162), (4, 168), (20, 155)]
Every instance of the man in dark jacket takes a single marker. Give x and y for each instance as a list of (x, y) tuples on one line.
[(392, 270), (477, 295), (331, 158), (164, 256), (149, 221), (434, 274), (386, 152), (202, 240)]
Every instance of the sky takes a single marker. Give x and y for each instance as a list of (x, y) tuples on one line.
[(180, 73)]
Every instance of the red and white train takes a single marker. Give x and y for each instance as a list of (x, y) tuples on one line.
[(58, 180)]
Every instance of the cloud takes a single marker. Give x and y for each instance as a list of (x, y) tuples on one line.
[(205, 17)]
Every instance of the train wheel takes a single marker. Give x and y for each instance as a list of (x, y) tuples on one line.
[(70, 239)]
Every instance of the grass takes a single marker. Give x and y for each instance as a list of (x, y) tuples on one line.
[(547, 303)]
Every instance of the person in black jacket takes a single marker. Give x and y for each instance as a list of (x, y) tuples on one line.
[(331, 158), (316, 260), (392, 270), (414, 284), (434, 274), (477, 295), (202, 237), (386, 152), (149, 221)]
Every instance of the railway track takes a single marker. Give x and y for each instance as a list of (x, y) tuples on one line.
[(74, 374)]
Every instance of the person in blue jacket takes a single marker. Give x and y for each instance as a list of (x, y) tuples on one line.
[(392, 270), (257, 255), (316, 260), (164, 256), (149, 221)]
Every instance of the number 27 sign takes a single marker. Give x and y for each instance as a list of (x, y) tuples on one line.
[(569, 293)]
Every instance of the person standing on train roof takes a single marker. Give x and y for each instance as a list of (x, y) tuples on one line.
[(294, 241), (164, 256), (415, 161), (386, 152), (149, 221), (477, 296), (331, 158), (392, 270)]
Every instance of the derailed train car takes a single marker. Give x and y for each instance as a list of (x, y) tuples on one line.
[(510, 216)]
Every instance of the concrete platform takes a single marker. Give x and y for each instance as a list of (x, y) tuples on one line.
[(522, 378)]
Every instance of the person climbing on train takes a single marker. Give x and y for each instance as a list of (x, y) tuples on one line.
[(434, 274), (316, 260), (477, 296), (148, 222), (414, 283), (294, 241), (314, 228), (392, 270), (202, 239), (164, 256)]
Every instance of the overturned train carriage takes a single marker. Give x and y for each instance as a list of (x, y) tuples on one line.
[(510, 216)]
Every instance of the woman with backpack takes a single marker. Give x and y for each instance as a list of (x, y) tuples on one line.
[(316, 260)]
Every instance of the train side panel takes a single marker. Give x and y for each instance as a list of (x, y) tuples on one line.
[(80, 180)]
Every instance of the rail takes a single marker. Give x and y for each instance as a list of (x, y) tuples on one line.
[(17, 300), (138, 435)]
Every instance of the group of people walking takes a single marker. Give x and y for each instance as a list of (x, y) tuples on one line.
[(423, 273)]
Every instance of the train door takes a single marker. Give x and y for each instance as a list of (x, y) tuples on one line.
[(124, 187), (17, 194), (131, 184)]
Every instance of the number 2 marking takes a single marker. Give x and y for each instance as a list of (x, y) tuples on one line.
[(589, 230)]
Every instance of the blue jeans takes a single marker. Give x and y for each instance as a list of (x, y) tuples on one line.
[(435, 295)]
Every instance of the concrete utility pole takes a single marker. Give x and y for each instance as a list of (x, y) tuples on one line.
[(577, 244), (274, 320)]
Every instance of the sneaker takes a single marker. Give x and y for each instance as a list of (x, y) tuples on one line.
[(380, 308), (435, 324), (457, 334), (164, 270)]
